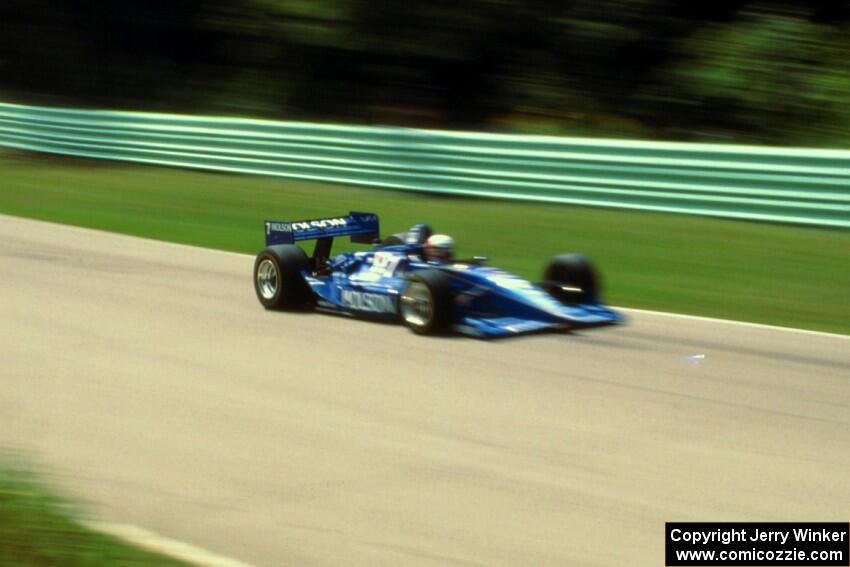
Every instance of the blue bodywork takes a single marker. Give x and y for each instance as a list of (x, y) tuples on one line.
[(487, 302)]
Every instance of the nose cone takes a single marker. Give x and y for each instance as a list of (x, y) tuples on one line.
[(520, 290), (521, 298)]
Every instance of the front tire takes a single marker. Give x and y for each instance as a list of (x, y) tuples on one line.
[(277, 277), (426, 303), (571, 278)]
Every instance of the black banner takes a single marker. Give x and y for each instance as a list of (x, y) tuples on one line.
[(692, 544)]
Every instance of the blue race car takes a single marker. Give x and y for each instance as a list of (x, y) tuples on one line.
[(413, 277)]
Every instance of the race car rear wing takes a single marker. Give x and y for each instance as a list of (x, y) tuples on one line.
[(363, 228)]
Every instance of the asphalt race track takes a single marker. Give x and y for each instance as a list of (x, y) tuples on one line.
[(148, 379)]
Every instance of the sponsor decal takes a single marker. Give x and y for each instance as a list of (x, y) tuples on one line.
[(320, 224), (278, 227), (385, 263), (371, 302)]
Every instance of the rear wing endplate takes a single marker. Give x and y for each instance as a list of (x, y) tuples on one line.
[(363, 228)]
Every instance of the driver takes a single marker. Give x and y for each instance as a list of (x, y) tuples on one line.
[(439, 248)]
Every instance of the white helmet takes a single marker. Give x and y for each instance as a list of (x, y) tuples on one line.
[(439, 247)]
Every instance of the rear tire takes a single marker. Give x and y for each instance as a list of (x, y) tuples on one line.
[(278, 280), (571, 278), (426, 303)]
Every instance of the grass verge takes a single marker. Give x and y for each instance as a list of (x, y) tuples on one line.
[(766, 273), (39, 529)]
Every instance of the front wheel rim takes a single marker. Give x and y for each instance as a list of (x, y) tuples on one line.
[(417, 308), (268, 279)]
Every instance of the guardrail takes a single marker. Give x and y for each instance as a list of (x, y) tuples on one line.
[(771, 184)]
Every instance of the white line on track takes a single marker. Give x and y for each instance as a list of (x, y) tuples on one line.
[(733, 322), (165, 546)]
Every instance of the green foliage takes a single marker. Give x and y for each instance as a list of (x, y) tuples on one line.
[(38, 529), (735, 70), (779, 77)]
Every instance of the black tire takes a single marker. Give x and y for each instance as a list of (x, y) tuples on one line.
[(571, 278), (283, 264), (434, 287)]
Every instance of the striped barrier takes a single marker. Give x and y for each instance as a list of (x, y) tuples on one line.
[(759, 183)]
